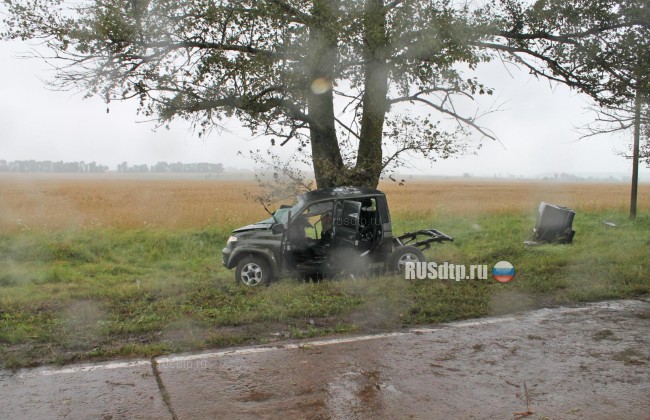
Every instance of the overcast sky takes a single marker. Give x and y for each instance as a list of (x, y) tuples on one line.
[(536, 129)]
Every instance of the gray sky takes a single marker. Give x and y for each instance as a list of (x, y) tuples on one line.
[(536, 129)]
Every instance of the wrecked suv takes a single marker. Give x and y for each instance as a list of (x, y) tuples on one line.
[(327, 232)]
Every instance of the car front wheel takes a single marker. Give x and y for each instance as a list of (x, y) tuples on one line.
[(253, 271)]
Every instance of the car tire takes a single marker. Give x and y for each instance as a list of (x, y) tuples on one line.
[(253, 271), (402, 255)]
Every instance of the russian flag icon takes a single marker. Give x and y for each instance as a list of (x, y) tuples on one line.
[(503, 271)]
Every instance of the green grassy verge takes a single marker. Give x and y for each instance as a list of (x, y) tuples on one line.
[(94, 294)]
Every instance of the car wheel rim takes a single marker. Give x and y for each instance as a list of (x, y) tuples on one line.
[(406, 258), (251, 274)]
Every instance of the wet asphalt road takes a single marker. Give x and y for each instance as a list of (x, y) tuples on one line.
[(588, 362)]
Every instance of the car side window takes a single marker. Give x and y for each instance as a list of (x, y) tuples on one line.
[(316, 220), (347, 215)]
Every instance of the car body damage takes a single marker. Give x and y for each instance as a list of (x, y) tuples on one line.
[(327, 232)]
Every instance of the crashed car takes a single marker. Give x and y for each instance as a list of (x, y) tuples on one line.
[(327, 232)]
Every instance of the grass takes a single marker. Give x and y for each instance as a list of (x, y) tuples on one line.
[(97, 269), (101, 293)]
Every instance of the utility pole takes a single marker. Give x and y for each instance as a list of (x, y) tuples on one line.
[(635, 153)]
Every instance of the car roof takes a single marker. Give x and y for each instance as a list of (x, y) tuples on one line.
[(338, 192)]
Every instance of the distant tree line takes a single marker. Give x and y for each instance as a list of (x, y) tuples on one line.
[(92, 167), (49, 166), (178, 167)]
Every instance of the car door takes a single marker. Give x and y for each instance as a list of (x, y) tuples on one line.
[(304, 241), (346, 224)]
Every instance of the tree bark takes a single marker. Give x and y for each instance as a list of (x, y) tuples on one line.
[(329, 169), (375, 104)]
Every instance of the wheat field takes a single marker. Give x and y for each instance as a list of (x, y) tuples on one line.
[(40, 202)]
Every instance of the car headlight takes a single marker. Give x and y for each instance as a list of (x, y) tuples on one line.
[(232, 239)]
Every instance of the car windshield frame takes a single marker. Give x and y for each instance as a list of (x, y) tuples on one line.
[(281, 215)]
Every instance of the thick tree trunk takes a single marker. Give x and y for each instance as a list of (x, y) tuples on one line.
[(375, 105), (326, 155), (328, 164)]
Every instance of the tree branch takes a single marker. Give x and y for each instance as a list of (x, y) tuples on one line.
[(415, 96), (347, 128), (467, 121), (249, 104), (285, 7), (568, 38), (553, 65), (166, 46), (392, 5)]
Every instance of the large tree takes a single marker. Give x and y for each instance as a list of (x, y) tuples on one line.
[(331, 74)]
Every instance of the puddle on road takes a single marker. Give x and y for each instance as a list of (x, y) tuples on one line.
[(355, 393)]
